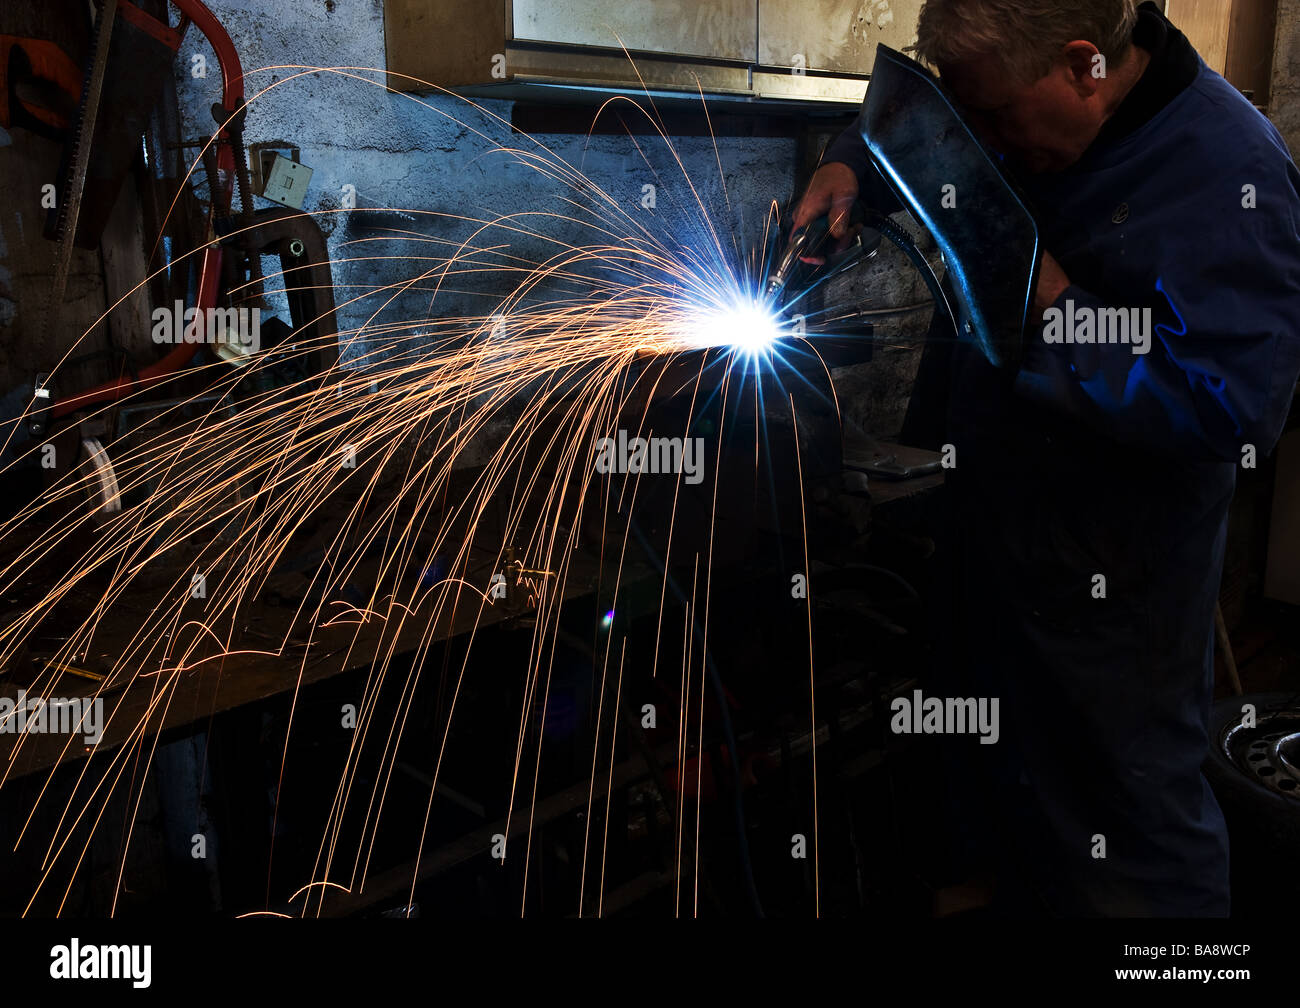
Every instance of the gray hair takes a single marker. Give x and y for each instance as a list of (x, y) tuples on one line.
[(1025, 36)]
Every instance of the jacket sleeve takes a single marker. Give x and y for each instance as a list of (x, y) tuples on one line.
[(873, 191), (1224, 350)]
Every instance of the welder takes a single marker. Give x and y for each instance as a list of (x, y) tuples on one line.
[(1090, 495)]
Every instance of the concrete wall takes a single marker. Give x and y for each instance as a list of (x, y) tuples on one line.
[(1284, 105), (436, 153)]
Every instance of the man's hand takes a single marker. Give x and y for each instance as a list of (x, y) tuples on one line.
[(833, 190), (1052, 283)]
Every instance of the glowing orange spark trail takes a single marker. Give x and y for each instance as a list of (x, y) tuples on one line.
[(369, 465)]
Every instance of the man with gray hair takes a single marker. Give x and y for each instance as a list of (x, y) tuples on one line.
[(1090, 497)]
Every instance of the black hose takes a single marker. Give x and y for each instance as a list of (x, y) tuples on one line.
[(879, 222)]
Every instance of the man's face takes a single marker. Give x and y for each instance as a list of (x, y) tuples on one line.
[(1042, 127)]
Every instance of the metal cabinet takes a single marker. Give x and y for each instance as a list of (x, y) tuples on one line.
[(834, 35), (716, 29), (743, 50)]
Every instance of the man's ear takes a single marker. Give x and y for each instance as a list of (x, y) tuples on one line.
[(1085, 66)]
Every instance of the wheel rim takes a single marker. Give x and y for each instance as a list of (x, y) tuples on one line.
[(1268, 752)]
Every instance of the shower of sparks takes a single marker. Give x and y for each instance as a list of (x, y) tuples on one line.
[(354, 468)]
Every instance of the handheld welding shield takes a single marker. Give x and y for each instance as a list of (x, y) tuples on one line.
[(951, 184)]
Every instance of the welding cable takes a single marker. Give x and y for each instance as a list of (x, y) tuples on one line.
[(896, 309), (877, 221), (830, 324), (728, 734)]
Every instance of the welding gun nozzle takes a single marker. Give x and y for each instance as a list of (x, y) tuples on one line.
[(787, 264)]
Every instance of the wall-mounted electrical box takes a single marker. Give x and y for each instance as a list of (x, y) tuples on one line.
[(286, 182)]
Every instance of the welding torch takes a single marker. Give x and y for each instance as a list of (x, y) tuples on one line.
[(810, 242)]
